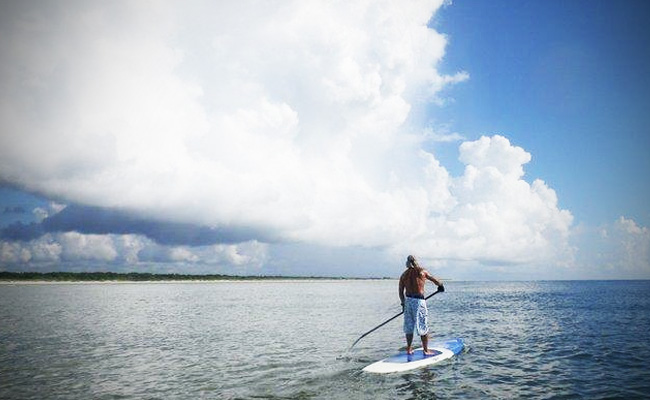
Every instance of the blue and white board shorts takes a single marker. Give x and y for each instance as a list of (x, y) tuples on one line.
[(416, 316)]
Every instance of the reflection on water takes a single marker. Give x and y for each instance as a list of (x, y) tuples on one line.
[(290, 340)]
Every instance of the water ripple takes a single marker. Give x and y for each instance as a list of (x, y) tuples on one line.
[(289, 340)]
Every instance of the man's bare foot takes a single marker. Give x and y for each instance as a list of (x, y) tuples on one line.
[(409, 351), (428, 352)]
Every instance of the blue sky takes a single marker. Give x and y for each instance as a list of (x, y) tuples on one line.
[(568, 82), (492, 139)]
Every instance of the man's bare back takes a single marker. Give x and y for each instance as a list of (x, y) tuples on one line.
[(412, 281)]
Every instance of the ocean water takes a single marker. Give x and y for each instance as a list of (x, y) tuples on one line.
[(291, 339)]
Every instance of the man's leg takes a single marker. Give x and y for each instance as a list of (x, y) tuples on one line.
[(409, 342), (423, 326), (425, 344)]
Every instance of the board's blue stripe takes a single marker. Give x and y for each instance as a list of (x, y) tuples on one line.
[(455, 345)]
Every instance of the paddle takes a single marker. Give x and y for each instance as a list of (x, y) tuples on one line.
[(390, 319)]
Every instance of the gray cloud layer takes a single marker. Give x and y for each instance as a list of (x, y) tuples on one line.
[(94, 220)]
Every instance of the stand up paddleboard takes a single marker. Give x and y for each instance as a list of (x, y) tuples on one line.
[(405, 362)]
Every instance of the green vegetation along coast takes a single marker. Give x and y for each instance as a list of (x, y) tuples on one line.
[(132, 277)]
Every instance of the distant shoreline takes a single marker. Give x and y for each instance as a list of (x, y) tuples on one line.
[(303, 280), (139, 277)]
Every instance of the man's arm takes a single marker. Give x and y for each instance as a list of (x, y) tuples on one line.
[(401, 290), (436, 281)]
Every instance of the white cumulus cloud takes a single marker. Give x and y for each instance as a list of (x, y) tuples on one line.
[(129, 252), (288, 117), (624, 250), (492, 214)]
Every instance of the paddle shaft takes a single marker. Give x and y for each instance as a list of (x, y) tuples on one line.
[(387, 321)]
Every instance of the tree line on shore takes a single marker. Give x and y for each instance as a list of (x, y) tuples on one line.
[(131, 277)]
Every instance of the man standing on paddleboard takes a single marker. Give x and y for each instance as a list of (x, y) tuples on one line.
[(411, 295)]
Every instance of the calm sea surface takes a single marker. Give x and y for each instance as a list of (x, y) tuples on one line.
[(290, 340)]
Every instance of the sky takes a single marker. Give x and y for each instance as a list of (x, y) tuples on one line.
[(493, 140)]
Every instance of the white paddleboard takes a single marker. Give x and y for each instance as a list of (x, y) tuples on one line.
[(405, 362)]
